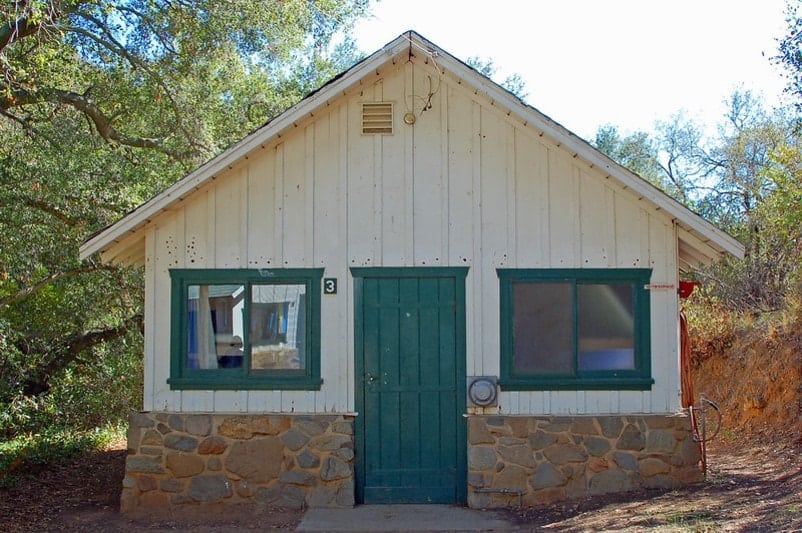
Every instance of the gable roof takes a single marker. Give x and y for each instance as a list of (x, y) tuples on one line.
[(699, 241)]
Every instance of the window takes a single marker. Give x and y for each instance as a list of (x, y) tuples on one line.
[(575, 329), (245, 329)]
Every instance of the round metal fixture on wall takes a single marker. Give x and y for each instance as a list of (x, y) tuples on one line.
[(482, 391)]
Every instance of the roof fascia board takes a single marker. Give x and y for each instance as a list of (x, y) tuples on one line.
[(225, 160)]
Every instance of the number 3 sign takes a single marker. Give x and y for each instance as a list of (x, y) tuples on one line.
[(329, 285)]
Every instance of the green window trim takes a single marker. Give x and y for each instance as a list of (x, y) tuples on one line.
[(182, 377), (637, 378)]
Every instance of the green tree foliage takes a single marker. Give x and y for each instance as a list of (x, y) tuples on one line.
[(102, 104), (637, 151), (513, 83), (790, 50), (744, 179)]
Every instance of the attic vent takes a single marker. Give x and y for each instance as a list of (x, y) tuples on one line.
[(377, 118)]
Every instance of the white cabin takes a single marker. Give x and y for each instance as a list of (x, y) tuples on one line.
[(453, 266)]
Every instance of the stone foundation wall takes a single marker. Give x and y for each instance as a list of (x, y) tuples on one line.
[(263, 460), (529, 460)]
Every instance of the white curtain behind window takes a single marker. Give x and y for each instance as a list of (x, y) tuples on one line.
[(207, 348)]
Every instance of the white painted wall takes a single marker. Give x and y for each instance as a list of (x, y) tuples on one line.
[(466, 185)]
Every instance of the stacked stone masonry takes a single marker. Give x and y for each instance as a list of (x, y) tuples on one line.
[(530, 461), (261, 460)]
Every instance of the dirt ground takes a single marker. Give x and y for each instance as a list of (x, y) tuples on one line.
[(750, 487)]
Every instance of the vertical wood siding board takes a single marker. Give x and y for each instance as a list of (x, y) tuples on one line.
[(595, 226), (648, 407), (261, 210), (360, 193), (427, 176), (563, 210), (581, 402), (273, 401), (445, 132), (445, 129), (511, 405), (658, 390), (460, 175), (629, 234), (294, 199), (537, 402), (545, 212), (615, 402), (258, 402), (575, 259), (195, 255), (393, 169), (343, 147), (665, 318), (202, 401), (197, 227), (478, 276), (244, 213), (150, 322), (228, 243), (523, 403), (332, 255), (297, 401), (254, 196), (310, 178), (609, 236), (563, 403), (225, 401), (526, 201), (672, 267), (168, 242), (378, 183), (323, 224), (631, 401), (211, 228), (459, 200), (493, 229), (511, 135), (410, 138), (163, 362), (278, 208)]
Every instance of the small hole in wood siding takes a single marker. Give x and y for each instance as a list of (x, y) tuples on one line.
[(377, 118)]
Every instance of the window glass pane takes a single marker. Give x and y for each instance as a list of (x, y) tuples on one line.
[(606, 327), (542, 328), (214, 326), (278, 326)]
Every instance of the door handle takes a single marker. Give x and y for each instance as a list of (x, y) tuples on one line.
[(370, 378)]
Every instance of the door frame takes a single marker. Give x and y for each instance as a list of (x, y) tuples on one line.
[(459, 274)]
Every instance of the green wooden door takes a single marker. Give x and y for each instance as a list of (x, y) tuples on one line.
[(410, 385)]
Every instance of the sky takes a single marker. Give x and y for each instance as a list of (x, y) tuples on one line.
[(589, 63)]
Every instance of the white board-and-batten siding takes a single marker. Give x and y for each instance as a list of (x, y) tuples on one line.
[(466, 185)]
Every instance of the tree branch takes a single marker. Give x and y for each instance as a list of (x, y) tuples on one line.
[(16, 30), (101, 122), (47, 280), (53, 211), (68, 351), (20, 27)]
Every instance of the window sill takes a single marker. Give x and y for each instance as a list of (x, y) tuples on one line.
[(244, 384), (561, 383)]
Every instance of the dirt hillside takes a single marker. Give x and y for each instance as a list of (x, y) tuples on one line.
[(755, 376)]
